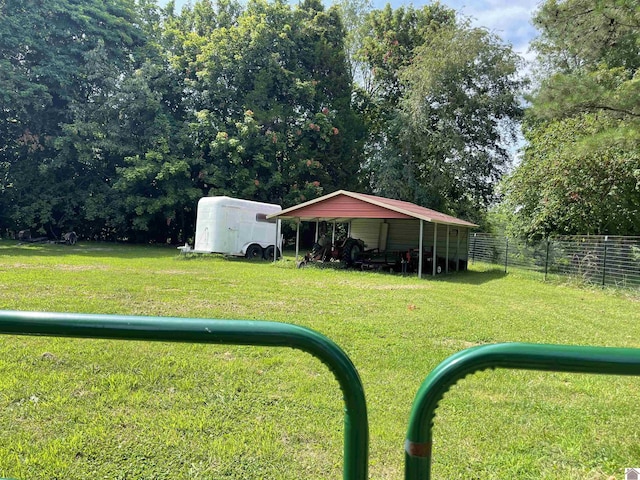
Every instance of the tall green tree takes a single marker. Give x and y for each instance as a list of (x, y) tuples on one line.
[(45, 49), (353, 14), (568, 183), (137, 140), (446, 103), (120, 114), (590, 51), (271, 103), (589, 89), (577, 34), (391, 38), (461, 111)]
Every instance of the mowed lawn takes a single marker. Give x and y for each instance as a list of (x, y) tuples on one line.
[(79, 409)]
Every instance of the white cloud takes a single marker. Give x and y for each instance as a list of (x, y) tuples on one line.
[(511, 20)]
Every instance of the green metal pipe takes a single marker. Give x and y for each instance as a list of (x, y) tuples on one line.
[(555, 358), (229, 332)]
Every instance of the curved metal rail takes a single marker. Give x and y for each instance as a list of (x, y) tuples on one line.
[(230, 332), (554, 358), (557, 358)]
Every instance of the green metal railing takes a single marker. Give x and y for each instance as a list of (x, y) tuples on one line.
[(557, 358), (554, 358), (230, 332)]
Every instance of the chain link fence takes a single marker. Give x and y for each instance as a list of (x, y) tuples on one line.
[(599, 260)]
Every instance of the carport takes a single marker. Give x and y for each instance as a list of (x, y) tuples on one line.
[(384, 223)]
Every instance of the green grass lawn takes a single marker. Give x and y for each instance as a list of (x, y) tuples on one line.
[(77, 409)]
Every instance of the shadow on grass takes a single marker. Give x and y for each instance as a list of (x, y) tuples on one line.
[(86, 249), (111, 250), (469, 277), (472, 277), (130, 251)]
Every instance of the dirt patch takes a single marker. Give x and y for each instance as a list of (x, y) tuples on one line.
[(79, 268), (457, 344), (173, 272), (398, 287), (19, 265)]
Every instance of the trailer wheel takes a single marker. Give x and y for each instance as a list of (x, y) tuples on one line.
[(254, 251), (268, 253)]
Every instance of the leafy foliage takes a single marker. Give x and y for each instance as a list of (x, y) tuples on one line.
[(392, 37), (272, 106), (115, 128), (581, 168), (118, 116), (446, 99), (569, 183), (578, 34), (55, 57)]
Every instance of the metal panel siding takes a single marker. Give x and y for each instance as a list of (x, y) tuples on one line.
[(366, 230), (454, 232), (405, 234), (464, 243), (343, 206), (383, 236), (441, 241)]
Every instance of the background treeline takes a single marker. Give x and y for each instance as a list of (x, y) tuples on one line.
[(580, 172), (118, 115)]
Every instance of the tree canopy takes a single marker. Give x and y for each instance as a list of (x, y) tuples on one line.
[(119, 115), (445, 99), (580, 172)]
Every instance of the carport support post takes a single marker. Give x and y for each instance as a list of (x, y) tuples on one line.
[(446, 267), (297, 238), (433, 258), (458, 249), (277, 243), (333, 235), (317, 226), (420, 249)]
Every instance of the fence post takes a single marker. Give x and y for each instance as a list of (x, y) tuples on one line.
[(506, 254), (604, 261), (546, 261), (473, 251)]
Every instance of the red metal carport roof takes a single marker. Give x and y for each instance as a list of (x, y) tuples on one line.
[(342, 206)]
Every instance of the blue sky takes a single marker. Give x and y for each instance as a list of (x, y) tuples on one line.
[(510, 19)]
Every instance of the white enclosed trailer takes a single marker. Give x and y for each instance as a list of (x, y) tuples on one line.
[(232, 226)]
